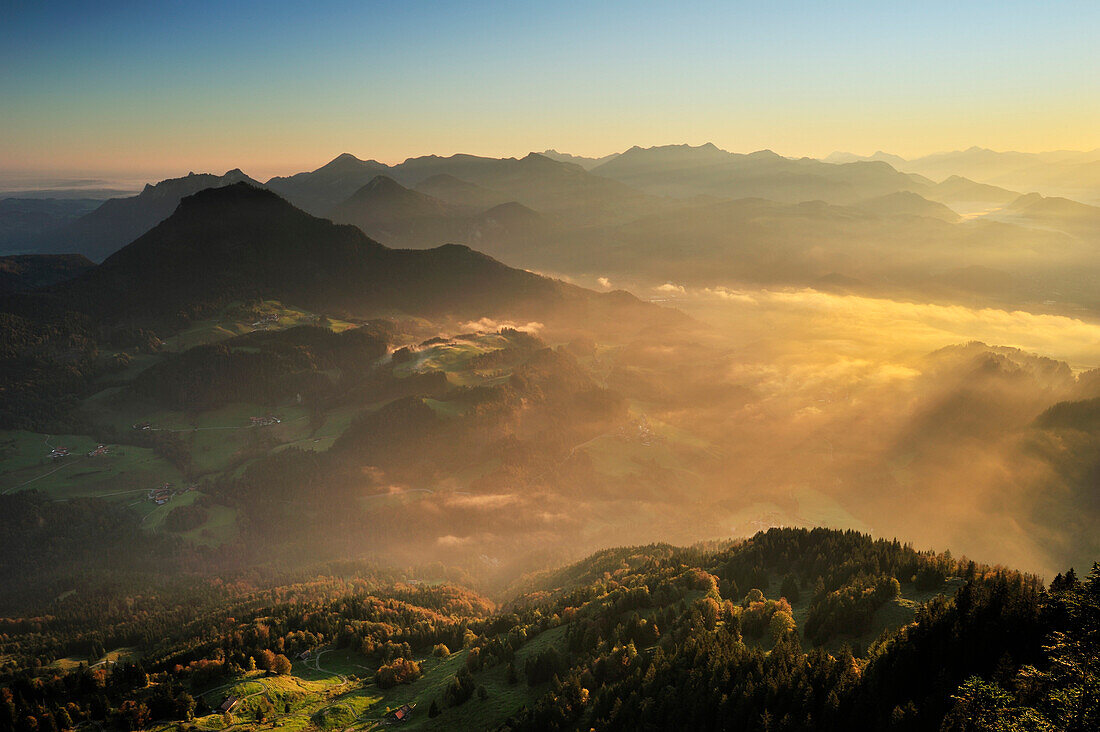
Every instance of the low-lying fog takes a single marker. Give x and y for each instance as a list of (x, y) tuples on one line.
[(882, 415)]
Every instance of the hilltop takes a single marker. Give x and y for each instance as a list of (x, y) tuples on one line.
[(118, 221)]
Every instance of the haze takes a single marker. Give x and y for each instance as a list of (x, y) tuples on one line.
[(549, 366)]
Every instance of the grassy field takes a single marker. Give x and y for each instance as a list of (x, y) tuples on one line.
[(239, 318), (333, 691), (119, 654), (456, 359), (890, 616), (123, 474), (503, 699), (322, 692)]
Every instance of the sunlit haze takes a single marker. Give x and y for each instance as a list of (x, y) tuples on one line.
[(550, 367)]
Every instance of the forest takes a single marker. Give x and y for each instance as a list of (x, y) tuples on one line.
[(651, 637)]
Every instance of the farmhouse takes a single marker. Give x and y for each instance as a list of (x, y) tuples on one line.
[(401, 714), (161, 495), (101, 450), (59, 452), (141, 426), (228, 704)]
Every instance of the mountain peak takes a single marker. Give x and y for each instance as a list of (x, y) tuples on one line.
[(383, 183), (348, 162)]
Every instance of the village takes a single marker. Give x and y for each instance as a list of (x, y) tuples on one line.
[(639, 430), (166, 492), (62, 452)]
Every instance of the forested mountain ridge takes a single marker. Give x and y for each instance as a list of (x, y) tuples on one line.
[(22, 272), (653, 637)]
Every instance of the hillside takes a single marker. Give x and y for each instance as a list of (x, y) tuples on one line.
[(791, 629), (29, 271)]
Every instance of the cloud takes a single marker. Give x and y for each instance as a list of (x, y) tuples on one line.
[(604, 282), (490, 500), (897, 327), (727, 294), (490, 325), (670, 289)]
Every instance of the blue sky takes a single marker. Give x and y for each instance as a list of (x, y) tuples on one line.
[(274, 87)]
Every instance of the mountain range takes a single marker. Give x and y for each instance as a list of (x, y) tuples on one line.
[(403, 217), (617, 218), (240, 240), (1059, 173)]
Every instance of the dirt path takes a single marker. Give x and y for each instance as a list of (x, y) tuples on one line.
[(317, 665), (65, 464)]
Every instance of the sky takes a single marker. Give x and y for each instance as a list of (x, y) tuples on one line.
[(161, 88)]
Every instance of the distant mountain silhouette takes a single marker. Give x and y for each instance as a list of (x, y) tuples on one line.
[(508, 228), (398, 216), (385, 200), (1052, 212), (895, 161), (536, 181), (1037, 205), (545, 185), (241, 241), (29, 271), (754, 240), (683, 171), (395, 215), (24, 221), (586, 163), (959, 189), (1070, 173), (316, 192), (119, 221), (446, 187), (909, 204)]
